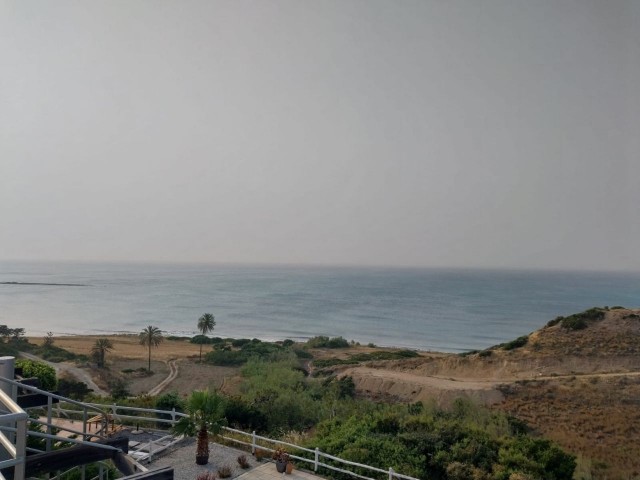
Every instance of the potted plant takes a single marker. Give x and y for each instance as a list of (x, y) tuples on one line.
[(205, 414), (281, 457)]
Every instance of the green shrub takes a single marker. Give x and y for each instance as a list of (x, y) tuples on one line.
[(366, 357), (287, 343), (45, 374), (174, 338), (300, 353), (326, 342), (53, 353), (517, 343), (200, 340), (225, 358), (168, 401), (240, 342), (579, 321), (73, 389), (555, 321), (119, 388), (468, 352)]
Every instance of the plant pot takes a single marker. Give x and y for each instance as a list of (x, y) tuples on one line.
[(289, 468), (202, 459), (281, 466)]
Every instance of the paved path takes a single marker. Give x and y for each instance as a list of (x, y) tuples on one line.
[(78, 373)]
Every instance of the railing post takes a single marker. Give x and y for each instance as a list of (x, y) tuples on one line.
[(173, 415), (49, 405), (390, 473), (315, 463), (253, 442), (84, 424), (21, 448)]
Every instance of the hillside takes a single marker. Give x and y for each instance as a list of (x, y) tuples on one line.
[(576, 380)]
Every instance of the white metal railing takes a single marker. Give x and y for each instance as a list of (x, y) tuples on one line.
[(318, 458), (112, 412), (15, 446), (20, 433)]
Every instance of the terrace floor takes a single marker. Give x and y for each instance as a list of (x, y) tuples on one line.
[(182, 458), (268, 471)]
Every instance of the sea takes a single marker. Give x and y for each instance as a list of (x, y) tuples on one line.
[(448, 310)]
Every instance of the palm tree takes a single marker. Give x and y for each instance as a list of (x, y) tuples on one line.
[(205, 324), (151, 337), (100, 349), (205, 414)]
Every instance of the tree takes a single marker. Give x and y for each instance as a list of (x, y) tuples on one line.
[(17, 335), (48, 340), (205, 413), (5, 333), (205, 324), (100, 349), (151, 337)]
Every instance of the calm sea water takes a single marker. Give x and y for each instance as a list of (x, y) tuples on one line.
[(436, 309)]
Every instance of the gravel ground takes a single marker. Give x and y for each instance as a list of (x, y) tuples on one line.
[(182, 457)]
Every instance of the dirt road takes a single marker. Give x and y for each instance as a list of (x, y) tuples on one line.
[(173, 373), (76, 372)]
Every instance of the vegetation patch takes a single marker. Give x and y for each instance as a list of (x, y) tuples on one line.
[(243, 352), (579, 321), (366, 357), (326, 342), (513, 344), (45, 374)]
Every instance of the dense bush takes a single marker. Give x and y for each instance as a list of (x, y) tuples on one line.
[(555, 321), (175, 338), (326, 342), (249, 349), (168, 401), (579, 321), (468, 442), (119, 388), (366, 357), (300, 353), (45, 374), (201, 340), (73, 389), (517, 343), (243, 415), (55, 354)]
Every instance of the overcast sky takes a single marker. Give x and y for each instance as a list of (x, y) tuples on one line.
[(473, 133)]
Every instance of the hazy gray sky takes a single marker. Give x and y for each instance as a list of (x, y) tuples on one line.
[(425, 133)]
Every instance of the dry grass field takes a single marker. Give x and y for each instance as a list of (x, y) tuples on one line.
[(128, 346), (128, 354)]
